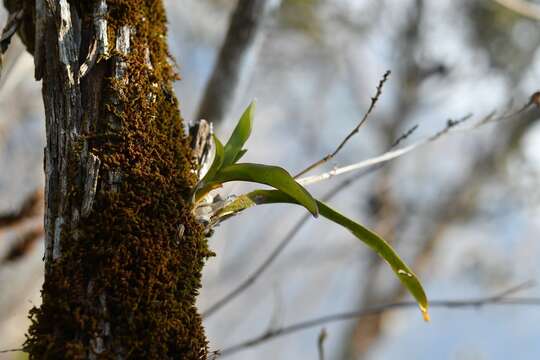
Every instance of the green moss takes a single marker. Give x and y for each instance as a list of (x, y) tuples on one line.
[(128, 247)]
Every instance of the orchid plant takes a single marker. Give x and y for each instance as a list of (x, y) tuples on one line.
[(211, 209)]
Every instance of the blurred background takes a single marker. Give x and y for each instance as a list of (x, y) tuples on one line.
[(463, 211)]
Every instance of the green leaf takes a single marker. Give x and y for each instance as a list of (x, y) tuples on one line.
[(273, 176), (239, 136), (241, 153), (218, 161), (381, 247), (374, 241), (242, 202)]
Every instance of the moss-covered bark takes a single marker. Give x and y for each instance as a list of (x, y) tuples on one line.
[(121, 279)]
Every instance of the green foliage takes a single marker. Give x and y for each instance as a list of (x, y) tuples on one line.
[(241, 153), (233, 148), (371, 239), (273, 176), (21, 356), (224, 170), (384, 250)]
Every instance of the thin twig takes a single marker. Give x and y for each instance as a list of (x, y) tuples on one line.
[(522, 7), (235, 60), (452, 126), (404, 136), (30, 207), (291, 235), (320, 343), (387, 156), (10, 350), (497, 299), (328, 157)]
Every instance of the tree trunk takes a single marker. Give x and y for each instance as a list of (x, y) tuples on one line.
[(124, 253)]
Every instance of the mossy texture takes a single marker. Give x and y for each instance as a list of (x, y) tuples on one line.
[(125, 276)]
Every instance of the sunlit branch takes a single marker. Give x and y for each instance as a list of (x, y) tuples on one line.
[(452, 126)]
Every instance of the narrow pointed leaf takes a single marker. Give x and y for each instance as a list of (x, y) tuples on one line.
[(273, 176), (239, 136), (381, 247), (374, 241), (240, 154), (218, 161)]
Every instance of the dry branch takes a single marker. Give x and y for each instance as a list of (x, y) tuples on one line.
[(320, 343), (241, 45), (452, 126), (30, 207), (502, 298), (329, 157)]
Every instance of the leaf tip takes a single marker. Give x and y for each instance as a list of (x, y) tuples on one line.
[(425, 313), (250, 110), (314, 208)]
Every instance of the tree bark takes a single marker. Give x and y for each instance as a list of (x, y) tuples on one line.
[(120, 278)]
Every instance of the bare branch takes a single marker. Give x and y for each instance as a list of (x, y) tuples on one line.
[(404, 136), (13, 22), (10, 350), (30, 207), (500, 298), (452, 126), (522, 7), (23, 245), (290, 236), (320, 343), (240, 47), (387, 156), (328, 157)]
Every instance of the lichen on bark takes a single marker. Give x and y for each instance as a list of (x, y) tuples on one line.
[(120, 282)]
